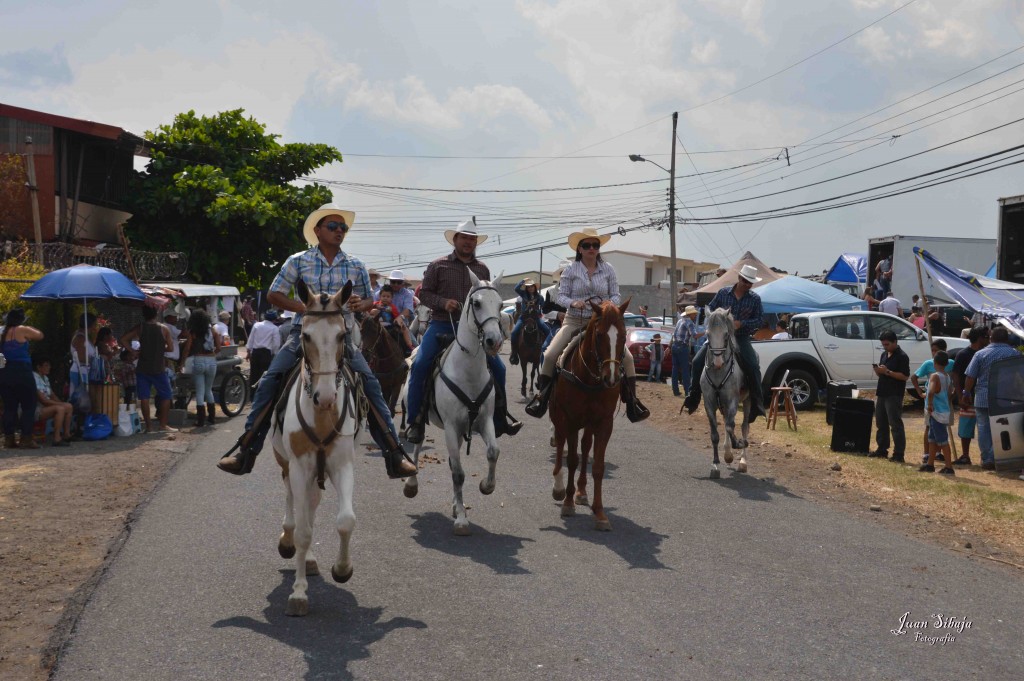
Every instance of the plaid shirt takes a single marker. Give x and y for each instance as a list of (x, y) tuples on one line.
[(685, 333), (447, 278), (321, 276), (578, 284), (746, 309), (979, 367)]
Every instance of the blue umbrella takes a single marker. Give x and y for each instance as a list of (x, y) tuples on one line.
[(84, 281)]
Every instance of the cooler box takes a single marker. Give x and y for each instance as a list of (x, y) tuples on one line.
[(833, 390), (851, 430)]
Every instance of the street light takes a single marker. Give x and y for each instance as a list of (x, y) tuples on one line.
[(671, 213)]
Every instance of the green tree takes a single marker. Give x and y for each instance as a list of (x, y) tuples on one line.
[(219, 189)]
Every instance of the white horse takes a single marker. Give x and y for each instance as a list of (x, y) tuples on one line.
[(464, 370), (315, 438), (421, 319), (723, 386)]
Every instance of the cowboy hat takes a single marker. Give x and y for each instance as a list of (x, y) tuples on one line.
[(749, 272), (690, 309), (557, 274), (529, 282), (396, 275), (223, 314), (319, 214), (373, 273), (588, 233), (468, 228)]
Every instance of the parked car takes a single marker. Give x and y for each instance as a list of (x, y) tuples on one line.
[(636, 320), (637, 341)]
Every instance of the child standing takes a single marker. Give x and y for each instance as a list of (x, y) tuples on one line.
[(656, 351), (937, 401)]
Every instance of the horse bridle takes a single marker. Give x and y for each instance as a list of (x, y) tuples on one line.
[(338, 376), (479, 324), (725, 352), (600, 362)]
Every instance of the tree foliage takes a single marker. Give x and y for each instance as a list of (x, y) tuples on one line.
[(13, 194), (218, 188)]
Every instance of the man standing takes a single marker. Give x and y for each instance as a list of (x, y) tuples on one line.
[(248, 316), (893, 371), (446, 284), (746, 309), (977, 385), (401, 295), (264, 342), (890, 305), (325, 269), (150, 372), (683, 337), (978, 338), (883, 276)]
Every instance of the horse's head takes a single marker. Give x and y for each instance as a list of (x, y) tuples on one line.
[(720, 333), (482, 312), (323, 342), (607, 332)]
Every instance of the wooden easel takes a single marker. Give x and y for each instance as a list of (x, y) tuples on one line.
[(786, 394)]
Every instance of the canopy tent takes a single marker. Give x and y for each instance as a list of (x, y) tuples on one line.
[(849, 268), (796, 294), (1003, 300), (704, 294)]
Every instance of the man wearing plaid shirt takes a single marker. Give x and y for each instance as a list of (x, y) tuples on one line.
[(747, 311), (325, 268)]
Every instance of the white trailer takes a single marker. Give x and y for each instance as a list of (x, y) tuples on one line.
[(973, 255)]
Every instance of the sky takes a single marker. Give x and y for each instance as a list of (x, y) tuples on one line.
[(514, 97)]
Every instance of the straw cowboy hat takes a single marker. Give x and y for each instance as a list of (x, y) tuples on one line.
[(557, 274), (529, 282), (319, 214), (749, 272), (588, 233), (468, 228), (396, 275), (690, 309)]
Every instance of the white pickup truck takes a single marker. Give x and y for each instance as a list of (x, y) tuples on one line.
[(837, 346)]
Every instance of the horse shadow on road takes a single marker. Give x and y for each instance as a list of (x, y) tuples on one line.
[(336, 632), (497, 551), (638, 546), (751, 488)]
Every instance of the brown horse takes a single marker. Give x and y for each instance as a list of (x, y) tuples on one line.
[(386, 359), (531, 338), (584, 397)]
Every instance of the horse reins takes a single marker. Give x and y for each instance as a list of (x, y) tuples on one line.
[(479, 324)]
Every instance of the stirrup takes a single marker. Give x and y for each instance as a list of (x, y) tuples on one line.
[(415, 432), (636, 411), (240, 463), (393, 461)]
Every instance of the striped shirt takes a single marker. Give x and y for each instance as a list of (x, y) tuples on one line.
[(447, 278), (979, 367), (322, 276), (578, 284), (685, 333), (746, 309)]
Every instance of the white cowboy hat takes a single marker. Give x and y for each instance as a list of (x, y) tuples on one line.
[(396, 275), (468, 228), (588, 233), (690, 309), (557, 274), (529, 282), (373, 273), (749, 272), (319, 214)]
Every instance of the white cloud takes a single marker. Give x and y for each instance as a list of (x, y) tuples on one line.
[(879, 46), (705, 53), (749, 13), (953, 36)]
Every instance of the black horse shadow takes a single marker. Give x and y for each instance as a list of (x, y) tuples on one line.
[(751, 488), (496, 551), (638, 546), (336, 632), (609, 468)]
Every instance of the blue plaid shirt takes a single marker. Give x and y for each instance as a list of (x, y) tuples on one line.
[(979, 367), (685, 333), (321, 276), (747, 309)]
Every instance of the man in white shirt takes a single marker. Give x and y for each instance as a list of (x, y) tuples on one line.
[(221, 327), (891, 306), (264, 342), (783, 330)]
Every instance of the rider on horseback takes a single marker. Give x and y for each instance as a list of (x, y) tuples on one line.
[(325, 268), (530, 302), (746, 309), (587, 280), (446, 283)]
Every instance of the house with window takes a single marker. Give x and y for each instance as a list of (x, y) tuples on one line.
[(649, 269)]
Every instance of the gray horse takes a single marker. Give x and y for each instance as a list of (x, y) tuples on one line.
[(723, 387)]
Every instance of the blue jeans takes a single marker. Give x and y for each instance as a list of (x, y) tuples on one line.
[(654, 371), (203, 371), (545, 330), (286, 358), (429, 349), (988, 454), (680, 368)]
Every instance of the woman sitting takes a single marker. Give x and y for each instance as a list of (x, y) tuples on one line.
[(49, 407)]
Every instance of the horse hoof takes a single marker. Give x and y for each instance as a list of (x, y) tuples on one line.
[(741, 467), (297, 607), (581, 500), (603, 525), (312, 568), (485, 488), (410, 491), (462, 529), (553, 442), (341, 577), (727, 456), (558, 494), (715, 474), (568, 511), (285, 550)]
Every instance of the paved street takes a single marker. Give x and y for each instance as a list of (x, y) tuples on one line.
[(737, 578)]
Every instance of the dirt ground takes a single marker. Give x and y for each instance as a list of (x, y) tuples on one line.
[(65, 512)]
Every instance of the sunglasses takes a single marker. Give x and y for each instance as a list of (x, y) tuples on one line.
[(590, 245), (334, 226)]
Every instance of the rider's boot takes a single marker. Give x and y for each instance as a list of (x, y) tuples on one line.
[(538, 406), (200, 415), (504, 422), (635, 410), (513, 356), (240, 459), (692, 400), (414, 432), (756, 400), (396, 461), (211, 409)]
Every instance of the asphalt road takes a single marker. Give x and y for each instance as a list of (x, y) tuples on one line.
[(699, 579)]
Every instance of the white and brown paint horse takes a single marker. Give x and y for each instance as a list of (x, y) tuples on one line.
[(314, 439), (724, 389)]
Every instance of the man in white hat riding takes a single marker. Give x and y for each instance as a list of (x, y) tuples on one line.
[(746, 309), (325, 268), (446, 284), (401, 295)]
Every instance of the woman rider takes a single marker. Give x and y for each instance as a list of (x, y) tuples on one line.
[(588, 279), (530, 302)]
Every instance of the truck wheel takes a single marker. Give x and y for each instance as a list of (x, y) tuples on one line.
[(234, 393), (805, 389)]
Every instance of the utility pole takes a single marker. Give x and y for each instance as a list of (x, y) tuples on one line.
[(540, 271), (34, 195), (672, 221)]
